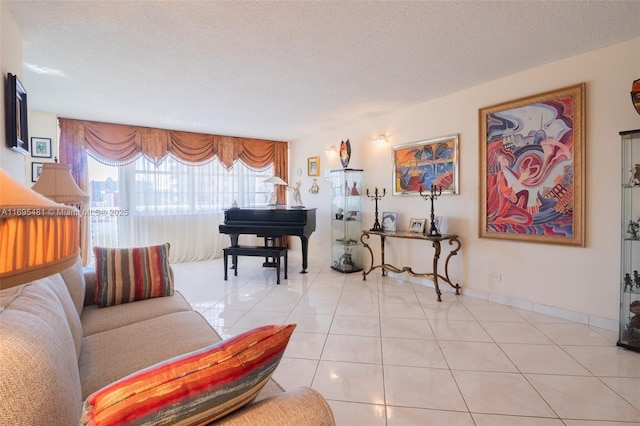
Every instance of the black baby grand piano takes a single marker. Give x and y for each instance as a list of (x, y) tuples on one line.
[(271, 222)]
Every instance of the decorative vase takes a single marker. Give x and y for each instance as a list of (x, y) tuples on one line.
[(345, 152), (635, 94)]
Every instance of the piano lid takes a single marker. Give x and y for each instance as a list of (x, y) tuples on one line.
[(273, 215)]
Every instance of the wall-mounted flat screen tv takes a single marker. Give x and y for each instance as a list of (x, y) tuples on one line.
[(16, 115)]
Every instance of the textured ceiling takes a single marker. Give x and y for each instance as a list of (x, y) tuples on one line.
[(285, 70)]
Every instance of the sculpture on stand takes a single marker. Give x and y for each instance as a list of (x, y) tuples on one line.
[(376, 196), (435, 192), (297, 198)]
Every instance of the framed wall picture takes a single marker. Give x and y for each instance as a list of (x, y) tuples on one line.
[(389, 220), (313, 166), (420, 164), (36, 171), (532, 168), (16, 115), (41, 147), (416, 225)]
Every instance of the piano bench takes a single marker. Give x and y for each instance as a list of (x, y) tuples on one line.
[(258, 251)]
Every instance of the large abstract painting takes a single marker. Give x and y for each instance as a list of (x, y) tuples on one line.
[(418, 165), (532, 168)]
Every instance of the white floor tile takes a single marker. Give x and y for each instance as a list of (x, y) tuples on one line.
[(295, 372), (357, 414), (385, 352), (412, 353), (501, 393), (477, 356), (586, 398), (363, 349), (350, 382), (422, 388), (403, 416), (406, 328)]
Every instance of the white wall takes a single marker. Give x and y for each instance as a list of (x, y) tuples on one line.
[(574, 279), (10, 61)]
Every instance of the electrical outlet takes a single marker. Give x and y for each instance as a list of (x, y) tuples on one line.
[(495, 276)]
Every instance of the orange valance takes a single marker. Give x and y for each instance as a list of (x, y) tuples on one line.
[(120, 144)]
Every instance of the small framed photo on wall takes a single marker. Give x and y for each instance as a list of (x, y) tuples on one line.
[(36, 171), (313, 166), (41, 147)]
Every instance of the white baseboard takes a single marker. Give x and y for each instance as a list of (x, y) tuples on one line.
[(581, 318)]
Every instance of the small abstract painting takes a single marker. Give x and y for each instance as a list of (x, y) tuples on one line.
[(420, 164)]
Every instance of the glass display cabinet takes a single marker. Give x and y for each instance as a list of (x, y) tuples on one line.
[(346, 220), (629, 335)]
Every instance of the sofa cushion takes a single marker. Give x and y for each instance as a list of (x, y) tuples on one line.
[(74, 279), (145, 343), (56, 283), (195, 388), (39, 381), (128, 274), (96, 320)]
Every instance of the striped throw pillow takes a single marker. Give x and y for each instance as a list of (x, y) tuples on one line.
[(127, 274), (195, 388)]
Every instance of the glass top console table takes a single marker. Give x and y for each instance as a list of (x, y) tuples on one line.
[(436, 243)]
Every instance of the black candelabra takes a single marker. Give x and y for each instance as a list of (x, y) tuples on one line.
[(376, 196), (435, 192)]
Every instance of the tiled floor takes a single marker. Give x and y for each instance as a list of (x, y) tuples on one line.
[(384, 352)]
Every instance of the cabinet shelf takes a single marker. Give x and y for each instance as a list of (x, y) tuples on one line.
[(629, 332), (346, 215)]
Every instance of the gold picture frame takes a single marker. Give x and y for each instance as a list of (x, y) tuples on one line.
[(313, 166), (418, 165), (416, 225), (532, 160)]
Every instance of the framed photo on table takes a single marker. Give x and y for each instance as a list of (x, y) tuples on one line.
[(389, 220), (416, 225), (41, 147), (532, 168)]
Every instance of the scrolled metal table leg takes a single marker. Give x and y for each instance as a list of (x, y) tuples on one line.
[(365, 245)]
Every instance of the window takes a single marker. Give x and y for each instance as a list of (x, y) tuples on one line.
[(172, 189)]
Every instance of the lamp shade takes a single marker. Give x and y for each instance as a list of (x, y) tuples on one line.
[(275, 180), (38, 237), (57, 184)]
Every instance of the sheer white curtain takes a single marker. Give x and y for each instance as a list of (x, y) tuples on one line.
[(183, 204)]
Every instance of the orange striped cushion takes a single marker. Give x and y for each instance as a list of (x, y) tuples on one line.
[(127, 274), (195, 388)]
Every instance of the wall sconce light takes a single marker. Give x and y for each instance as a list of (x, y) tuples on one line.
[(331, 151), (381, 140)]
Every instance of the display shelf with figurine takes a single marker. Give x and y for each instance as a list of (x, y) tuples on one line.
[(629, 332), (346, 220)]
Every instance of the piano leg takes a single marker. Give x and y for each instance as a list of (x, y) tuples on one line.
[(234, 243), (305, 250)]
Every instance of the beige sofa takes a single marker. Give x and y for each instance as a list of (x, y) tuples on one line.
[(57, 347)]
